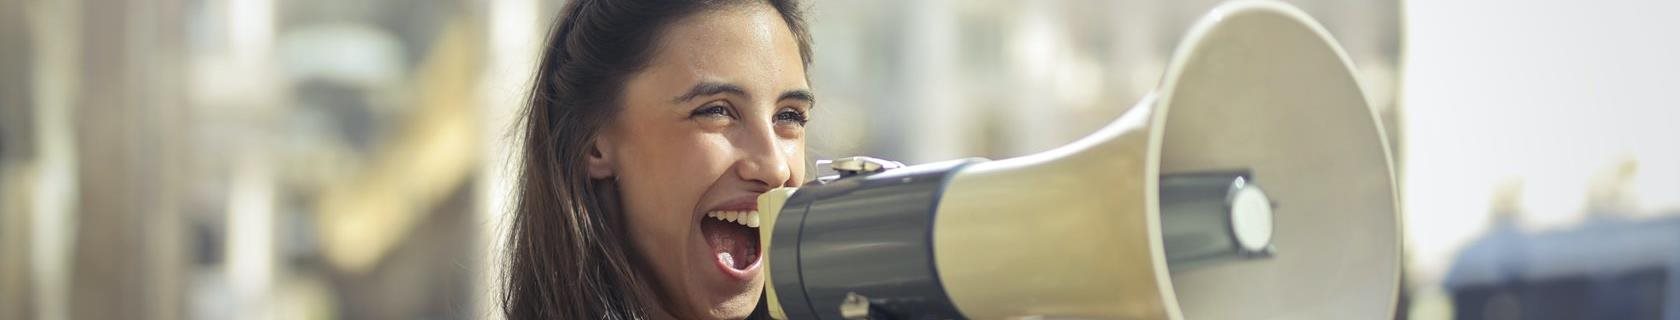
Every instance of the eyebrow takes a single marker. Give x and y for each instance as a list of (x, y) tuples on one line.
[(709, 88), (712, 88), (799, 94)]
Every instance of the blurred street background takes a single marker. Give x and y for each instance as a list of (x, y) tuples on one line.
[(327, 159)]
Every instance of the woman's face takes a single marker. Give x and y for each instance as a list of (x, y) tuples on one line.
[(716, 118)]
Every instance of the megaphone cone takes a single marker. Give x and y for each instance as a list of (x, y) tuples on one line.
[(1157, 215)]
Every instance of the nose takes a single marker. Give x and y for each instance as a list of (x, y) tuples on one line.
[(762, 158)]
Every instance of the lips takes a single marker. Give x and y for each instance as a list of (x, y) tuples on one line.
[(733, 237)]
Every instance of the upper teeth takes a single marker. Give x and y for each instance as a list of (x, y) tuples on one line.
[(745, 218)]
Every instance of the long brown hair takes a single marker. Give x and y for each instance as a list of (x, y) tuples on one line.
[(568, 253)]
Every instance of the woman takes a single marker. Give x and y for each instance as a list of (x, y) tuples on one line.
[(651, 129)]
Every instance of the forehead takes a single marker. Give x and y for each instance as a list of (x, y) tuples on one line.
[(749, 45)]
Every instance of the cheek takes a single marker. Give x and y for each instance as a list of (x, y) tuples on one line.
[(664, 182)]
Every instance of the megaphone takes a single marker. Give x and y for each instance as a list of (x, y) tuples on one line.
[(1160, 214)]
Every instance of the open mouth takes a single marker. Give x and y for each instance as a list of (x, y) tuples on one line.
[(733, 237)]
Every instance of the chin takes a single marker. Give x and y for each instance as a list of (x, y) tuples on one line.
[(736, 307)]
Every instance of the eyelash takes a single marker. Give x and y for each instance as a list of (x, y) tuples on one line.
[(794, 116), (715, 110), (788, 115)]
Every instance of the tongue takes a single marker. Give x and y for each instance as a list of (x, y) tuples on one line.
[(734, 245)]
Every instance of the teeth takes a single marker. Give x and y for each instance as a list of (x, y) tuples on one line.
[(745, 218)]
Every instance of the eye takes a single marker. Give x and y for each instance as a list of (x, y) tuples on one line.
[(713, 111), (790, 116)]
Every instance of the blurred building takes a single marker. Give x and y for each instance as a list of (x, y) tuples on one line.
[(923, 81), (231, 159), (1605, 268)]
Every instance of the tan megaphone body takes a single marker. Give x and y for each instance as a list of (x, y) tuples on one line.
[(1157, 215)]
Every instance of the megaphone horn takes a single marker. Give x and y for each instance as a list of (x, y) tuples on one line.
[(1158, 215)]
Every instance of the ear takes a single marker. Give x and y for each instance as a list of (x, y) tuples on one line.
[(599, 158)]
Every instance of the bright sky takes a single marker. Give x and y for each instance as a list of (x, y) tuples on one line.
[(1549, 93)]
